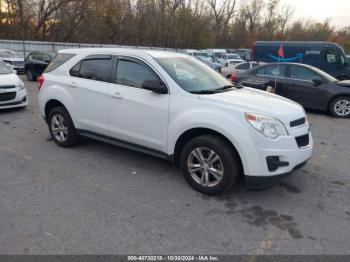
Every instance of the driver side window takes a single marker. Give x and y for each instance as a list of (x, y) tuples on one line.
[(331, 57), (131, 73)]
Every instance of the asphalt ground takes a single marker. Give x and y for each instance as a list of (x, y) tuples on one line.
[(101, 199)]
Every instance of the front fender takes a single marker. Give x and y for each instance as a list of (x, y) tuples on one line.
[(234, 128)]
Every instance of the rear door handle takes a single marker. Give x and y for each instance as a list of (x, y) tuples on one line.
[(117, 95)]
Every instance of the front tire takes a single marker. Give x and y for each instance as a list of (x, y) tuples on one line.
[(62, 128), (340, 107), (210, 165)]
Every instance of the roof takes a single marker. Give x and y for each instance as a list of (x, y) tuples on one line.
[(126, 51), (320, 43)]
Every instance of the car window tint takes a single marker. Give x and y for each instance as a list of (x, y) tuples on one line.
[(261, 71), (298, 72), (244, 66), (59, 60), (46, 57), (96, 69), (331, 56), (275, 70), (133, 74), (75, 70), (4, 69)]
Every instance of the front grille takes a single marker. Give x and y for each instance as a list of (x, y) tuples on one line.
[(298, 122), (7, 87), (302, 141), (7, 96)]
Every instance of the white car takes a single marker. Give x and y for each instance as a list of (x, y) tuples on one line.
[(231, 71), (12, 91), (230, 59), (13, 59), (175, 107)]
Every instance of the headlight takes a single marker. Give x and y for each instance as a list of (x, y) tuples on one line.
[(266, 125), (21, 87)]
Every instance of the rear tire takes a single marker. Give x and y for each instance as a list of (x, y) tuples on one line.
[(210, 165), (340, 107), (62, 127)]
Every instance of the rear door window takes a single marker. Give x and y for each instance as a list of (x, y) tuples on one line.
[(272, 70), (244, 66), (97, 68)]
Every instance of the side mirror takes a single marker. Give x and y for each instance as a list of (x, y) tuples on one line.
[(317, 81), (14, 71), (155, 86)]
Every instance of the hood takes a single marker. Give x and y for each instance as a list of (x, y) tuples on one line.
[(345, 83), (255, 101), (9, 79)]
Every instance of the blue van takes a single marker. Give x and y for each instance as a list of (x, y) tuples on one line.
[(326, 56)]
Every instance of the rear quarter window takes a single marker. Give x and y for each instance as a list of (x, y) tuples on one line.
[(59, 60)]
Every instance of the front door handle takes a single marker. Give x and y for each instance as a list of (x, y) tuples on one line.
[(117, 95), (73, 85)]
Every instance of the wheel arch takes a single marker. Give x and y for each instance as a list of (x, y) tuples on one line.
[(335, 97), (52, 103), (196, 132)]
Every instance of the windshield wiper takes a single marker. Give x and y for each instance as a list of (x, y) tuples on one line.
[(203, 92)]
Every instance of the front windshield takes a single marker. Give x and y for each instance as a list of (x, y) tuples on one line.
[(192, 75), (8, 54), (4, 69), (233, 56)]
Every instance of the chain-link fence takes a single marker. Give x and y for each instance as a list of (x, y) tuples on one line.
[(23, 48)]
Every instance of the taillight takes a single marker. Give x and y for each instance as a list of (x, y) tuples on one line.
[(233, 77), (40, 80)]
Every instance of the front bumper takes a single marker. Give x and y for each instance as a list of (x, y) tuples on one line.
[(268, 160), (257, 183), (21, 100)]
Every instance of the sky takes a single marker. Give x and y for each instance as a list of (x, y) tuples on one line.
[(337, 10)]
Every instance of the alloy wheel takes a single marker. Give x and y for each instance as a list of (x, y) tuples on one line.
[(342, 107), (205, 167), (59, 128)]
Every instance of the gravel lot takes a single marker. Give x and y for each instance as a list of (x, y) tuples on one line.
[(101, 199)]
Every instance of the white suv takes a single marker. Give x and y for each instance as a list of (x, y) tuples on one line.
[(173, 106)]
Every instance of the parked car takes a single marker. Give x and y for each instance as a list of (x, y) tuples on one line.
[(216, 66), (36, 62), (215, 54), (245, 54), (326, 56), (12, 58), (204, 54), (231, 71), (307, 85), (191, 52), (12, 91), (230, 59), (173, 106)]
